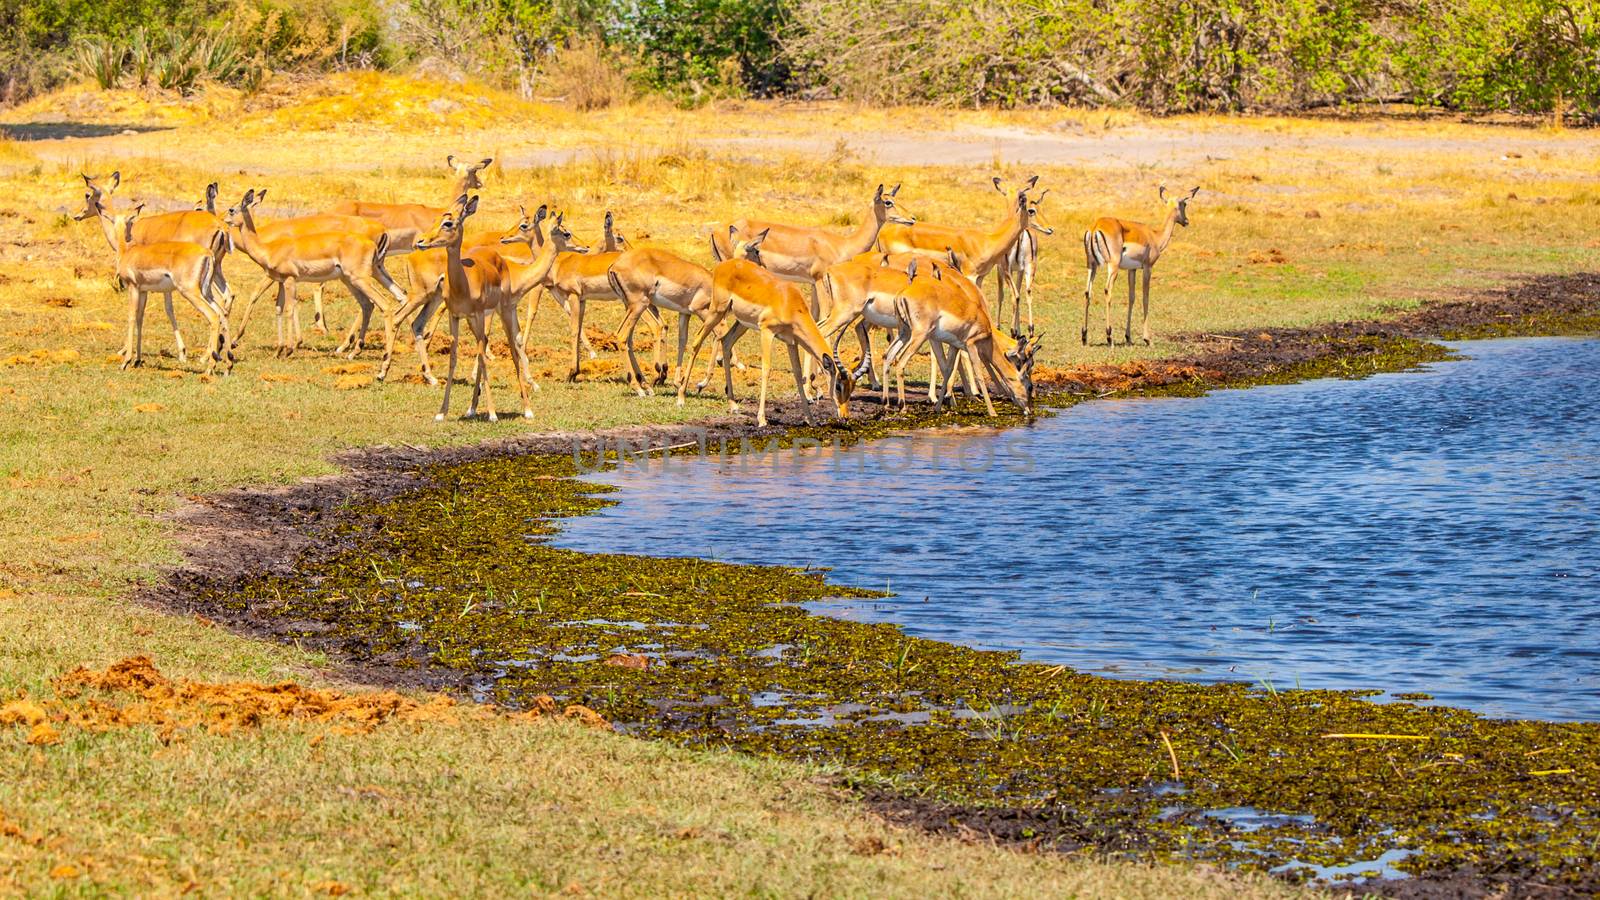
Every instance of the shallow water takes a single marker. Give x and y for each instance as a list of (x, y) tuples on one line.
[(1432, 531)]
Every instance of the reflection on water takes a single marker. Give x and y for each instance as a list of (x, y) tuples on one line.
[(1434, 531)]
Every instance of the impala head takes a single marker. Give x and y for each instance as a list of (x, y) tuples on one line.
[(526, 231), (240, 214), (841, 384), (97, 194), (448, 229), (1180, 206), (1022, 356), (561, 236), (468, 171), (883, 207), (750, 249), (209, 204), (615, 238), (1034, 221)]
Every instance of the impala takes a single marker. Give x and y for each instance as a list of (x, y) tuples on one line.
[(650, 278), (166, 266), (613, 241), (1119, 244), (977, 251), (305, 226), (472, 292), (188, 226), (405, 221), (316, 258), (578, 278), (935, 308), (427, 272), (1018, 268), (759, 300)]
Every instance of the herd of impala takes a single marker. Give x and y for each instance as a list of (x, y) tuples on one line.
[(919, 282)]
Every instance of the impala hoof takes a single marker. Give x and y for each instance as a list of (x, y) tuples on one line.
[(527, 414), (438, 417), (493, 418), (432, 381)]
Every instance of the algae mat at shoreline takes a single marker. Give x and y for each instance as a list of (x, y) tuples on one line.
[(456, 576)]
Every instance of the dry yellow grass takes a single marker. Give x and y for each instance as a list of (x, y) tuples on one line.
[(91, 457)]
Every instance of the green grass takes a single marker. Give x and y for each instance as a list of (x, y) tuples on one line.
[(490, 805)]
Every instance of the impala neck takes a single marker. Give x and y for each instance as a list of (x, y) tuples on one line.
[(865, 237), (1003, 237), (110, 229), (455, 274), (250, 241), (1166, 235), (525, 277)]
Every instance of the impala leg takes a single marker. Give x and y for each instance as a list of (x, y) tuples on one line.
[(728, 340), (1133, 288), (1088, 291), (1146, 325), (366, 287), (213, 318), (289, 314), (249, 307), (1111, 281), (713, 319), (794, 366), (480, 383), (356, 337), (935, 369), (766, 366), (968, 377), (418, 341), (277, 318), (133, 313), (630, 324), (683, 339), (177, 335), (659, 356), (138, 330), (450, 371), (1001, 273), (519, 359), (318, 323), (574, 305), (970, 358)]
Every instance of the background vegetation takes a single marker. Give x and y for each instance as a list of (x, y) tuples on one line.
[(1165, 56)]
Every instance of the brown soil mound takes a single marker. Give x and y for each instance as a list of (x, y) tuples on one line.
[(134, 692)]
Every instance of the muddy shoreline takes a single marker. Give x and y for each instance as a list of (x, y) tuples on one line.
[(249, 532)]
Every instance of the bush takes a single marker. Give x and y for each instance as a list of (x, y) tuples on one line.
[(587, 74)]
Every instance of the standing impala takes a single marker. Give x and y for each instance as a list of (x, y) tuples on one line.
[(578, 278), (977, 251), (405, 221), (305, 226), (472, 293), (761, 301), (166, 266), (1119, 244), (935, 308), (189, 226), (650, 278), (316, 258)]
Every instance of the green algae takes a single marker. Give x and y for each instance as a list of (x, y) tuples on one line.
[(459, 575)]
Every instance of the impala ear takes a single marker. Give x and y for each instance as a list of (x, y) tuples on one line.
[(1033, 182), (485, 163), (879, 194), (450, 160), (249, 198), (86, 179), (116, 181), (1161, 191), (997, 185), (540, 214), (470, 208), (911, 270), (895, 191), (954, 263), (1193, 192), (608, 219), (760, 237), (936, 274)]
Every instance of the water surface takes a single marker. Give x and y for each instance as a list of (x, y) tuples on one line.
[(1432, 531)]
